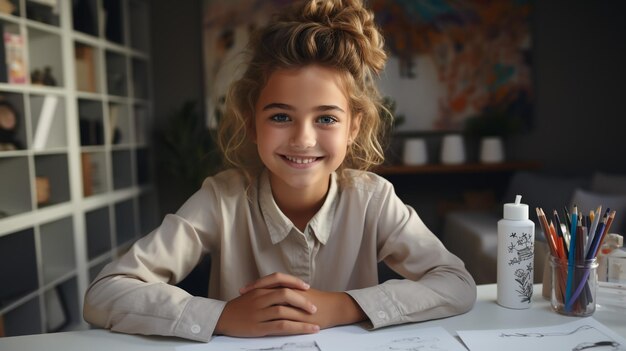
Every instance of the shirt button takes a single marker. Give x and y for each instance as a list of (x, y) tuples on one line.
[(195, 329), (382, 315)]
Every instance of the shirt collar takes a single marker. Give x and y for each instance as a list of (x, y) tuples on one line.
[(279, 225)]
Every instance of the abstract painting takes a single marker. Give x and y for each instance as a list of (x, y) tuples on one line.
[(454, 59)]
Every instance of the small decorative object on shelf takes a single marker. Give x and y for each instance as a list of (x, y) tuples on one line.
[(7, 6), (45, 77), (452, 149), (36, 77), (48, 78), (491, 127), (8, 127), (491, 150), (415, 152)]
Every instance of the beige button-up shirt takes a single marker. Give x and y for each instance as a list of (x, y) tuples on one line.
[(361, 222)]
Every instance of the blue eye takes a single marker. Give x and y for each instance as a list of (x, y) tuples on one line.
[(280, 118), (327, 120)]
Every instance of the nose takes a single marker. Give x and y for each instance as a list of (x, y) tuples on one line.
[(303, 136)]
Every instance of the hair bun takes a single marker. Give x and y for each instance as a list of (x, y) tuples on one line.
[(352, 26)]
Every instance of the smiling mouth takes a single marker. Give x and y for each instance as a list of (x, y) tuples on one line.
[(301, 160)]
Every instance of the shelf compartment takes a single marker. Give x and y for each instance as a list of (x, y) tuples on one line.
[(43, 11), (61, 306), (52, 173), (125, 228), (139, 25), (45, 58), (94, 172), (140, 79), (56, 259), (49, 122), (116, 74), (114, 23), (144, 168), (23, 320), (148, 213), (86, 65), (91, 123), (19, 261), (142, 124), (95, 270), (122, 169), (119, 124), (12, 108), (85, 17), (15, 187), (98, 226)]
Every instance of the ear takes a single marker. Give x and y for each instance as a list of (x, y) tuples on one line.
[(355, 126)]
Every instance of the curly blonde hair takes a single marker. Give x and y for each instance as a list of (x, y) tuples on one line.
[(339, 34)]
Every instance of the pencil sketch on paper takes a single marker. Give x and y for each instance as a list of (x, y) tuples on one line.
[(414, 343), (606, 342), (290, 346)]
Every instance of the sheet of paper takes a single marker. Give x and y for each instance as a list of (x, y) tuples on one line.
[(341, 338), (582, 334)]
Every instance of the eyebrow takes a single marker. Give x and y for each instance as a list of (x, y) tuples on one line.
[(277, 105)]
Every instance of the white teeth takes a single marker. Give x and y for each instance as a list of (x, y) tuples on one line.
[(300, 160)]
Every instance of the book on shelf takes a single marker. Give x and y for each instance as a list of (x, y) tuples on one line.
[(45, 122), (115, 135), (85, 70), (87, 175), (15, 57), (4, 72)]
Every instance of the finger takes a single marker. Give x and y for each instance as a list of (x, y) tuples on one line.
[(289, 297), (287, 327), (276, 280), (284, 312)]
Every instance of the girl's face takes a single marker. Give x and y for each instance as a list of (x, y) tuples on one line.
[(303, 127)]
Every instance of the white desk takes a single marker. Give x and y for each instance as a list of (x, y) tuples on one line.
[(486, 314)]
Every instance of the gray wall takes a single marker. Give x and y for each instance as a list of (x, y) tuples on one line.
[(580, 76), (177, 76), (579, 53)]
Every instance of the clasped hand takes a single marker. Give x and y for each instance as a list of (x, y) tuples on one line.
[(281, 304)]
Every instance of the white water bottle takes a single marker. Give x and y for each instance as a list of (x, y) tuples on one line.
[(516, 252)]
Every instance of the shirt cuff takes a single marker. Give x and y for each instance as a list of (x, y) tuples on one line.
[(377, 305), (199, 319)]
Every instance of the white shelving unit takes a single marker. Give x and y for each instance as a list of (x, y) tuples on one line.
[(76, 165)]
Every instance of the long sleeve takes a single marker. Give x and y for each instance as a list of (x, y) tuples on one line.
[(134, 295), (437, 284)]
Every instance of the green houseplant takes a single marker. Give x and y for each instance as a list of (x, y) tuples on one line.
[(190, 153)]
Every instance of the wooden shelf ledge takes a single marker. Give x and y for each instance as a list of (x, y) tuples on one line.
[(460, 168)]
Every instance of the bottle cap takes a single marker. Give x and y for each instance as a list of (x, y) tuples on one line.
[(516, 211)]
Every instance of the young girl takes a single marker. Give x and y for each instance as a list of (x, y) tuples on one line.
[(296, 228)]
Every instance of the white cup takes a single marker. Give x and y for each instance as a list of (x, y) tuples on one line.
[(491, 150), (415, 152), (452, 149)]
